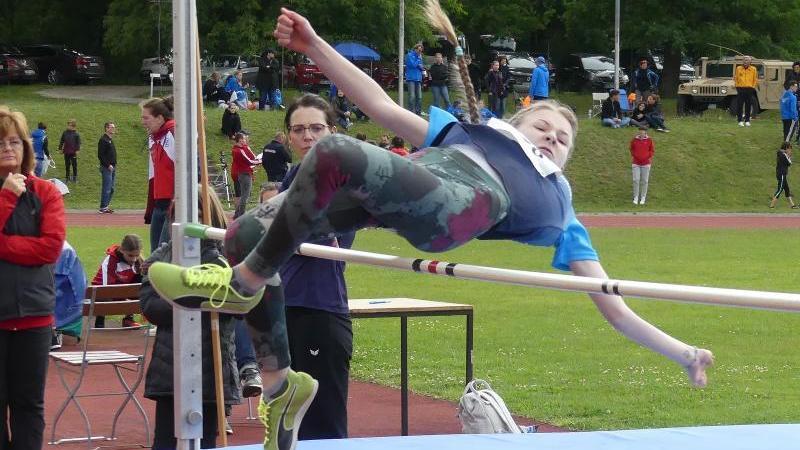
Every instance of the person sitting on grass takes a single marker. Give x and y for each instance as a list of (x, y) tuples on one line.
[(121, 265), (398, 146), (499, 181), (654, 115), (611, 112)]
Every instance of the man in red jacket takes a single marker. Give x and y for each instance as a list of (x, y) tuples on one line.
[(642, 150)]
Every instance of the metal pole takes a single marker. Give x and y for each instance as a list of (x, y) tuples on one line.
[(401, 37), (187, 355), (616, 44), (774, 301)]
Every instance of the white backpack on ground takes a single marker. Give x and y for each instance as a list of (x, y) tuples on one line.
[(482, 411)]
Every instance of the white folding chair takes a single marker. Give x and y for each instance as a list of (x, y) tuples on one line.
[(108, 300), (597, 103)]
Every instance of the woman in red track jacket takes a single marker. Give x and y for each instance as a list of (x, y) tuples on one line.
[(122, 265), (157, 118), (32, 234), (642, 150), (242, 162)]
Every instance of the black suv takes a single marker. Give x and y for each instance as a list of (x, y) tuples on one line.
[(59, 64), (585, 72), (14, 67)]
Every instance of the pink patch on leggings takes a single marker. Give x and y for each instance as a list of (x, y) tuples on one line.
[(466, 225), (329, 178)]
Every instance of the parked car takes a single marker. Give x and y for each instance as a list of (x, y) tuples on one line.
[(520, 67), (588, 72), (162, 66), (301, 72), (59, 64), (15, 67), (686, 70)]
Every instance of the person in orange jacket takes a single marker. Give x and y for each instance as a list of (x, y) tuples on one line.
[(642, 150), (745, 79)]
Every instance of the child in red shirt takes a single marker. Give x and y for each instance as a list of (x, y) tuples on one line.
[(642, 150), (122, 265)]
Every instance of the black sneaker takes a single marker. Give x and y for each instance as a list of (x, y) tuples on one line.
[(57, 340), (251, 381)]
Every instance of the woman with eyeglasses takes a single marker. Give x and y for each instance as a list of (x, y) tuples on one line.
[(315, 294), (33, 231)]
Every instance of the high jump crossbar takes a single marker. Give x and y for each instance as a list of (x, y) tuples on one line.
[(774, 301)]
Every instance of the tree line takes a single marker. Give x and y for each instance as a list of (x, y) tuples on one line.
[(125, 31)]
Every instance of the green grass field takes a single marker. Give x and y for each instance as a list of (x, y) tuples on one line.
[(551, 355), (706, 164)]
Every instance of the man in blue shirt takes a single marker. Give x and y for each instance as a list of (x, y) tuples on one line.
[(789, 112), (540, 81)]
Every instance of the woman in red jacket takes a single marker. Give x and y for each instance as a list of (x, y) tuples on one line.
[(242, 162), (157, 118), (33, 230), (642, 150)]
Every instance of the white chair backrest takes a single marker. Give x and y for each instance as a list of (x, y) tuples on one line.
[(599, 96)]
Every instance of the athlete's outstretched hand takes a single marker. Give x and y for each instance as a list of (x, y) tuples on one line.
[(294, 32)]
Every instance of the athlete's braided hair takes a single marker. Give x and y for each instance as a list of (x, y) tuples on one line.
[(440, 21)]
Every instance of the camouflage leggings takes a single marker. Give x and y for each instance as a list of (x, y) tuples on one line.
[(437, 199)]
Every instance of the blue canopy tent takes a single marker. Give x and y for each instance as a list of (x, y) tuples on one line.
[(356, 52)]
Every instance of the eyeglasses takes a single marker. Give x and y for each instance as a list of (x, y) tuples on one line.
[(314, 128), (13, 144)]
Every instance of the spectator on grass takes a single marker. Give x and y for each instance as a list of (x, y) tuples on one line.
[(496, 86), (795, 76), (242, 162), (40, 144), (31, 242), (654, 115), (782, 163), (540, 81), (642, 151), (745, 79), (236, 90), (341, 106), (107, 156), (231, 120), (212, 91), (644, 81), (639, 116), (611, 112), (398, 146), (385, 142), (413, 71), (475, 75), (70, 146), (789, 113), (439, 74), (276, 158), (121, 265), (267, 80)]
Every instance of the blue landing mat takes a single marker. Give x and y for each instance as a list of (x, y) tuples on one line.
[(738, 437)]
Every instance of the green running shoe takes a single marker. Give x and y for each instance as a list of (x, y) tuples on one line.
[(282, 415), (205, 287)]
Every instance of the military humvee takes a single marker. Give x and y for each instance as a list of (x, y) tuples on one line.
[(713, 88)]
